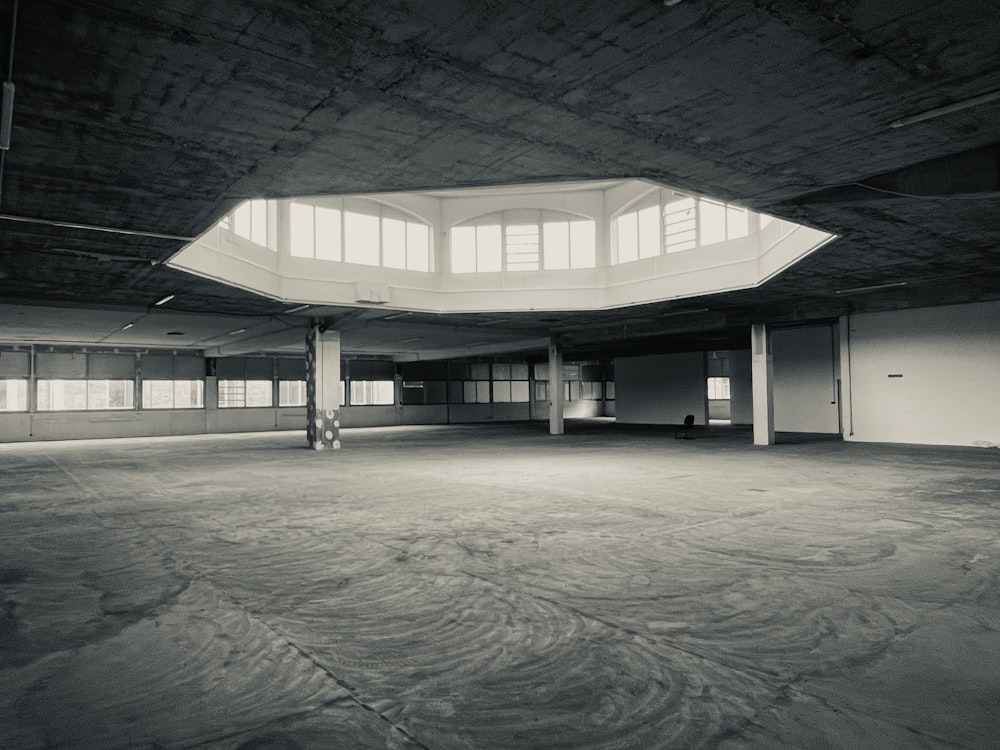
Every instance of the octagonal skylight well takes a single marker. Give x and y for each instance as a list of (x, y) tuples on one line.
[(576, 246)]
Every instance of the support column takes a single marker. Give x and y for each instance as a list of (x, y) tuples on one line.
[(844, 379), (763, 385), (556, 400), (323, 388)]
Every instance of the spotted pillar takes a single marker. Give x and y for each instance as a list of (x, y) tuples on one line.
[(323, 388)]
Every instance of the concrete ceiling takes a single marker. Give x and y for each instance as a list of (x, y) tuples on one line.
[(157, 117)]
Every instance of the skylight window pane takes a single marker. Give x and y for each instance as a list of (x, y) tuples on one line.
[(301, 216), (628, 237), (393, 243), (583, 244), (555, 239), (328, 234), (737, 222), (489, 258), (711, 221), (361, 238), (649, 232), (258, 222), (241, 220), (418, 252), (463, 249)]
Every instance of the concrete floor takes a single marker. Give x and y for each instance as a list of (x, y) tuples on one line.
[(494, 587)]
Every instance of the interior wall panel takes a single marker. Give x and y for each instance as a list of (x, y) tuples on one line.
[(805, 380), (661, 389), (926, 375)]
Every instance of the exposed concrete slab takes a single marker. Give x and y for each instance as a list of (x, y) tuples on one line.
[(493, 587)]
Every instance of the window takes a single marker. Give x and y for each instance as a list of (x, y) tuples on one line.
[(476, 392), (372, 392), (291, 393), (173, 394), (541, 390), (718, 222), (476, 249), (13, 394), (666, 221), (377, 235), (255, 220), (718, 389), (315, 231), (711, 222), (637, 232), (78, 395), (591, 390), (523, 240), (244, 393), (361, 238), (569, 244)]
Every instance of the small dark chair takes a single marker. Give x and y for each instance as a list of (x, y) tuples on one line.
[(683, 431)]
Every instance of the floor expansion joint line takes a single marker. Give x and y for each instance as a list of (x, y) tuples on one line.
[(197, 574), (72, 476), (346, 686)]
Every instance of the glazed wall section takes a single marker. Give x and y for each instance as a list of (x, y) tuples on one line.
[(501, 389), (916, 376)]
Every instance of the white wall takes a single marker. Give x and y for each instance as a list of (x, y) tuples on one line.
[(661, 389), (805, 380), (949, 360)]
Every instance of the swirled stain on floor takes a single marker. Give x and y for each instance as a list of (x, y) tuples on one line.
[(497, 587)]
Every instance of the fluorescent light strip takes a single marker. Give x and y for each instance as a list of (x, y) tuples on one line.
[(873, 288), (300, 308), (238, 330), (127, 326), (684, 312), (165, 300), (947, 109)]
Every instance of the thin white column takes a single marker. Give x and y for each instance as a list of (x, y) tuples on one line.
[(844, 373), (323, 388), (763, 385), (556, 400)]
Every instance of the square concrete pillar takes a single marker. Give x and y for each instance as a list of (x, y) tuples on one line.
[(323, 388), (762, 369), (556, 400)]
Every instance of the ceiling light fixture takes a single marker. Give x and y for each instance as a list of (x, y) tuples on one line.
[(127, 326), (684, 312), (96, 228), (7, 106), (873, 288), (300, 308), (176, 333), (165, 300), (990, 96), (6, 115), (238, 330)]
